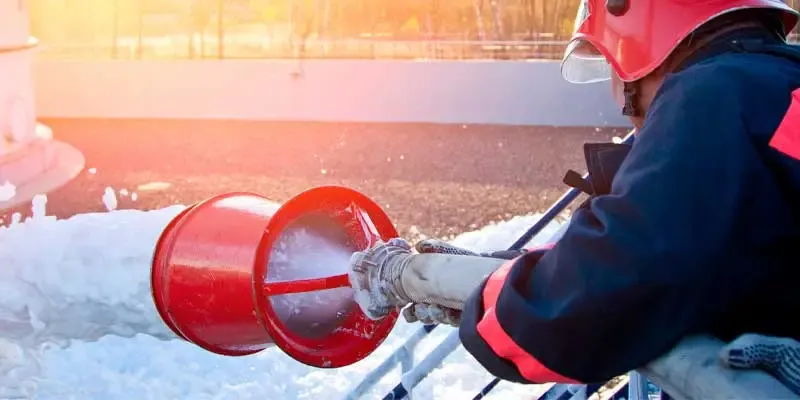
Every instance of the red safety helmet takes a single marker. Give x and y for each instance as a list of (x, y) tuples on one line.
[(634, 37)]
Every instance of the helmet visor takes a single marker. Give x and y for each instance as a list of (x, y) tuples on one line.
[(582, 62)]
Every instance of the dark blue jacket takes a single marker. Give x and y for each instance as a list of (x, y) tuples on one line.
[(699, 234)]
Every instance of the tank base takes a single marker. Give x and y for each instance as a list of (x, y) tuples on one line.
[(38, 166)]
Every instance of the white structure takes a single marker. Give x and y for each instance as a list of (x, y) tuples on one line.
[(17, 116), (14, 23), (30, 161)]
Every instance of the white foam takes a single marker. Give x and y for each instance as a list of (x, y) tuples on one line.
[(7, 191), (39, 207), (77, 322), (110, 199), (81, 278)]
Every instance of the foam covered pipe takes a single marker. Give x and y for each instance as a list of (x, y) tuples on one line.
[(445, 279)]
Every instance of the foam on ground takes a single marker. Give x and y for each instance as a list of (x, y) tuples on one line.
[(77, 322)]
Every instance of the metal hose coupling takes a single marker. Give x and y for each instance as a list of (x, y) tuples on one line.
[(375, 276)]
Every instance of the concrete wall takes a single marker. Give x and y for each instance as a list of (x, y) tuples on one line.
[(507, 92)]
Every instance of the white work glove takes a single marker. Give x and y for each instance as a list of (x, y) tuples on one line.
[(436, 314), (430, 314), (778, 356)]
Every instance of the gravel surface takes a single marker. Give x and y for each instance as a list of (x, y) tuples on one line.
[(434, 180)]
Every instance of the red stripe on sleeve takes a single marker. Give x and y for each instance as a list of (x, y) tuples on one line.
[(501, 343), (787, 137)]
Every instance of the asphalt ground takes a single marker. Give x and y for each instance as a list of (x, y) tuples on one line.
[(435, 180)]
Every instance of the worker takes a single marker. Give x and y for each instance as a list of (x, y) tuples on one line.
[(693, 229)]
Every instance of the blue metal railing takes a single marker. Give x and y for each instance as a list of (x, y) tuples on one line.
[(638, 388)]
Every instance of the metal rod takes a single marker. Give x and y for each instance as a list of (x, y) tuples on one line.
[(551, 213), (306, 285), (400, 391)]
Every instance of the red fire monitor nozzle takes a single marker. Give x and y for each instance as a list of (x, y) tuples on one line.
[(230, 275)]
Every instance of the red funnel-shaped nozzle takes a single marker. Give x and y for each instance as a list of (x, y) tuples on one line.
[(235, 274)]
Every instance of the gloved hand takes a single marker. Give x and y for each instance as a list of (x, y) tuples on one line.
[(376, 277), (778, 356), (436, 314)]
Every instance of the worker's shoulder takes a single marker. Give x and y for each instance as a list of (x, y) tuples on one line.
[(736, 76), (729, 98), (737, 101), (751, 86)]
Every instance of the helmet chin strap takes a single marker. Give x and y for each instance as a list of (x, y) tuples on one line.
[(631, 92)]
